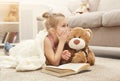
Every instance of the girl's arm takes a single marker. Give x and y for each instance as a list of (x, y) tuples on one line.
[(53, 58), (65, 55)]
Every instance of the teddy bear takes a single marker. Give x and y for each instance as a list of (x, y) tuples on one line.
[(84, 7), (78, 45), (12, 15)]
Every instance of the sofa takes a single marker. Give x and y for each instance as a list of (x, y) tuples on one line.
[(104, 20)]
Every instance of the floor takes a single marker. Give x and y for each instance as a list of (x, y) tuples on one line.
[(105, 69), (2, 52)]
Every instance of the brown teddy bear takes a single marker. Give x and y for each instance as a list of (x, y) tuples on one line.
[(77, 44), (12, 15)]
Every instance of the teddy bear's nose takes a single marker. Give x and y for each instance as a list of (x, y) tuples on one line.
[(76, 41)]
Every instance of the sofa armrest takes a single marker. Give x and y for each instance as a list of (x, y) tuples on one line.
[(113, 52)]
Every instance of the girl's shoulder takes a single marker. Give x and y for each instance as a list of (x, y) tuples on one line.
[(49, 42), (46, 40)]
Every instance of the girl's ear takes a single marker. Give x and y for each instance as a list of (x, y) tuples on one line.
[(52, 30)]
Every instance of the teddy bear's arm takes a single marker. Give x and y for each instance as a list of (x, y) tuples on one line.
[(79, 57), (91, 57)]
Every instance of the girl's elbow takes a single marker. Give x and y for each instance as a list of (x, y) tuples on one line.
[(55, 63)]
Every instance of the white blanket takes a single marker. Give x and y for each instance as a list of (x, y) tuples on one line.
[(27, 55)]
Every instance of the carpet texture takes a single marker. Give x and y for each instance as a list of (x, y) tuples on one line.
[(105, 69)]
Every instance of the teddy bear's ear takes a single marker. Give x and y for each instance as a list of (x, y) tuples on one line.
[(89, 32)]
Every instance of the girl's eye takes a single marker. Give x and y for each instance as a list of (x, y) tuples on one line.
[(74, 36), (79, 37), (63, 25)]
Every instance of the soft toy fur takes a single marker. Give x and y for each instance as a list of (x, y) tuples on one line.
[(77, 44), (84, 7), (12, 14)]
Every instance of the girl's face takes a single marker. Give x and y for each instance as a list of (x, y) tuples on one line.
[(62, 26)]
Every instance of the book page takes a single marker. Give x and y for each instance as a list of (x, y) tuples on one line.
[(72, 66)]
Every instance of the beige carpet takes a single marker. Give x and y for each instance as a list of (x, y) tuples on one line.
[(1, 52), (105, 69)]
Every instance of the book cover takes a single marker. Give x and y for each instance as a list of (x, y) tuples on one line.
[(66, 69)]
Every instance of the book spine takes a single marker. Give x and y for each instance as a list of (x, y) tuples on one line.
[(13, 39), (9, 37), (4, 36)]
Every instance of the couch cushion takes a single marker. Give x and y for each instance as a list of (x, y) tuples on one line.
[(51, 8), (92, 19), (111, 18), (71, 4), (67, 7), (60, 9), (93, 4), (106, 5)]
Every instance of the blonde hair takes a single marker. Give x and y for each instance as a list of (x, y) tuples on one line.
[(52, 19)]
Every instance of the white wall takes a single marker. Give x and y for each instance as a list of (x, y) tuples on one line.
[(30, 12), (33, 8), (34, 1)]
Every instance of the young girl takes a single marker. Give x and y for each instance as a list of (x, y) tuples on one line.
[(57, 27)]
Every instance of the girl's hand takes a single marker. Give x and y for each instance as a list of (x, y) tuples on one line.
[(63, 36), (66, 55)]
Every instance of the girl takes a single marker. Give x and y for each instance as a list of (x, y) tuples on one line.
[(57, 28), (58, 31)]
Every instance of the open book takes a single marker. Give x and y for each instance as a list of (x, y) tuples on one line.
[(66, 69)]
